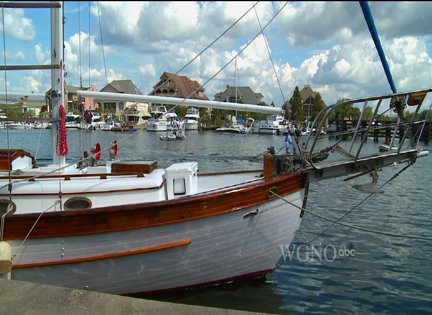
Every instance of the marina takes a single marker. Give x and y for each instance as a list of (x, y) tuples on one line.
[(387, 274), (220, 212)]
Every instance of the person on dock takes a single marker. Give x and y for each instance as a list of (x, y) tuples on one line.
[(288, 142), (388, 134), (376, 131)]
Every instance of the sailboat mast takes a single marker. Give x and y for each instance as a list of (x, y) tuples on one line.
[(57, 77)]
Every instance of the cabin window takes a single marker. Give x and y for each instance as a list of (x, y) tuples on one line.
[(76, 203), (179, 186), (5, 205)]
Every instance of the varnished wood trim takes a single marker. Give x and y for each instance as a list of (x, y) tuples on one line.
[(229, 172), (103, 256), (150, 214), (93, 192), (35, 175)]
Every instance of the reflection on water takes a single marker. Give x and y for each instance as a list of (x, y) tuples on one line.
[(254, 295), (386, 275)]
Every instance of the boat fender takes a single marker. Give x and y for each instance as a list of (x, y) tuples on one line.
[(5, 258), (115, 148), (113, 151), (98, 151)]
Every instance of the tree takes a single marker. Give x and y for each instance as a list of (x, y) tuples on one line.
[(317, 106), (181, 110), (345, 112), (368, 113), (297, 111)]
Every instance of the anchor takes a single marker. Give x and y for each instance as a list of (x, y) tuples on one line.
[(371, 187)]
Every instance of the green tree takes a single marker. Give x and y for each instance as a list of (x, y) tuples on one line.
[(317, 106), (297, 111), (14, 113), (368, 113), (181, 110)]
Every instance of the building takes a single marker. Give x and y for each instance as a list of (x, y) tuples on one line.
[(74, 101), (117, 108), (239, 94), (308, 98), (173, 85)]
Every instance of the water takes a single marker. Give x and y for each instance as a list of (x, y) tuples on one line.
[(386, 275)]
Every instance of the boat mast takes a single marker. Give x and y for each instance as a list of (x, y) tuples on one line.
[(57, 77)]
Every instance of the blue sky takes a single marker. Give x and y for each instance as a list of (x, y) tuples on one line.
[(324, 44)]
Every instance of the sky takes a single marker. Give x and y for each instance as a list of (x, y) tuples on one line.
[(275, 47)]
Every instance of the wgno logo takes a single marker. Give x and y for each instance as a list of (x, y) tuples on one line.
[(305, 252)]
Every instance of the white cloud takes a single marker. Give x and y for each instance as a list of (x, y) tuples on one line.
[(324, 44), (31, 83), (147, 69), (17, 25), (14, 55), (42, 56)]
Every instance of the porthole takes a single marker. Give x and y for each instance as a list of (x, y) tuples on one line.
[(5, 205), (77, 203)]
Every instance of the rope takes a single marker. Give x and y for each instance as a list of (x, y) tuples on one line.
[(270, 56), (6, 91), (367, 197), (353, 226), (102, 44), (62, 145), (79, 43), (89, 43), (209, 45), (34, 225), (9, 209), (238, 54)]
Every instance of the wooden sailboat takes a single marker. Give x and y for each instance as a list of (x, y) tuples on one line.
[(130, 227)]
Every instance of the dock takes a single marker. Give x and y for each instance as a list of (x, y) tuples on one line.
[(20, 297)]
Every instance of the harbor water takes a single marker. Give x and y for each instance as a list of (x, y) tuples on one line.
[(328, 268)]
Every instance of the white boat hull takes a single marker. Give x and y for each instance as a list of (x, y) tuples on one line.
[(269, 130), (191, 125), (202, 251)]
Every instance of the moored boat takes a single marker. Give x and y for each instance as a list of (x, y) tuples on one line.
[(131, 227)]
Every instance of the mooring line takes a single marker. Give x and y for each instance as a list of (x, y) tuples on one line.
[(336, 221), (367, 197)]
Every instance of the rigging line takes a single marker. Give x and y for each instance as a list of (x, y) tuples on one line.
[(243, 49), (366, 198), (271, 59), (89, 20), (38, 143), (32, 178), (423, 125), (34, 225), (214, 41), (79, 44), (247, 45), (9, 208), (103, 51), (6, 92), (353, 226)]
